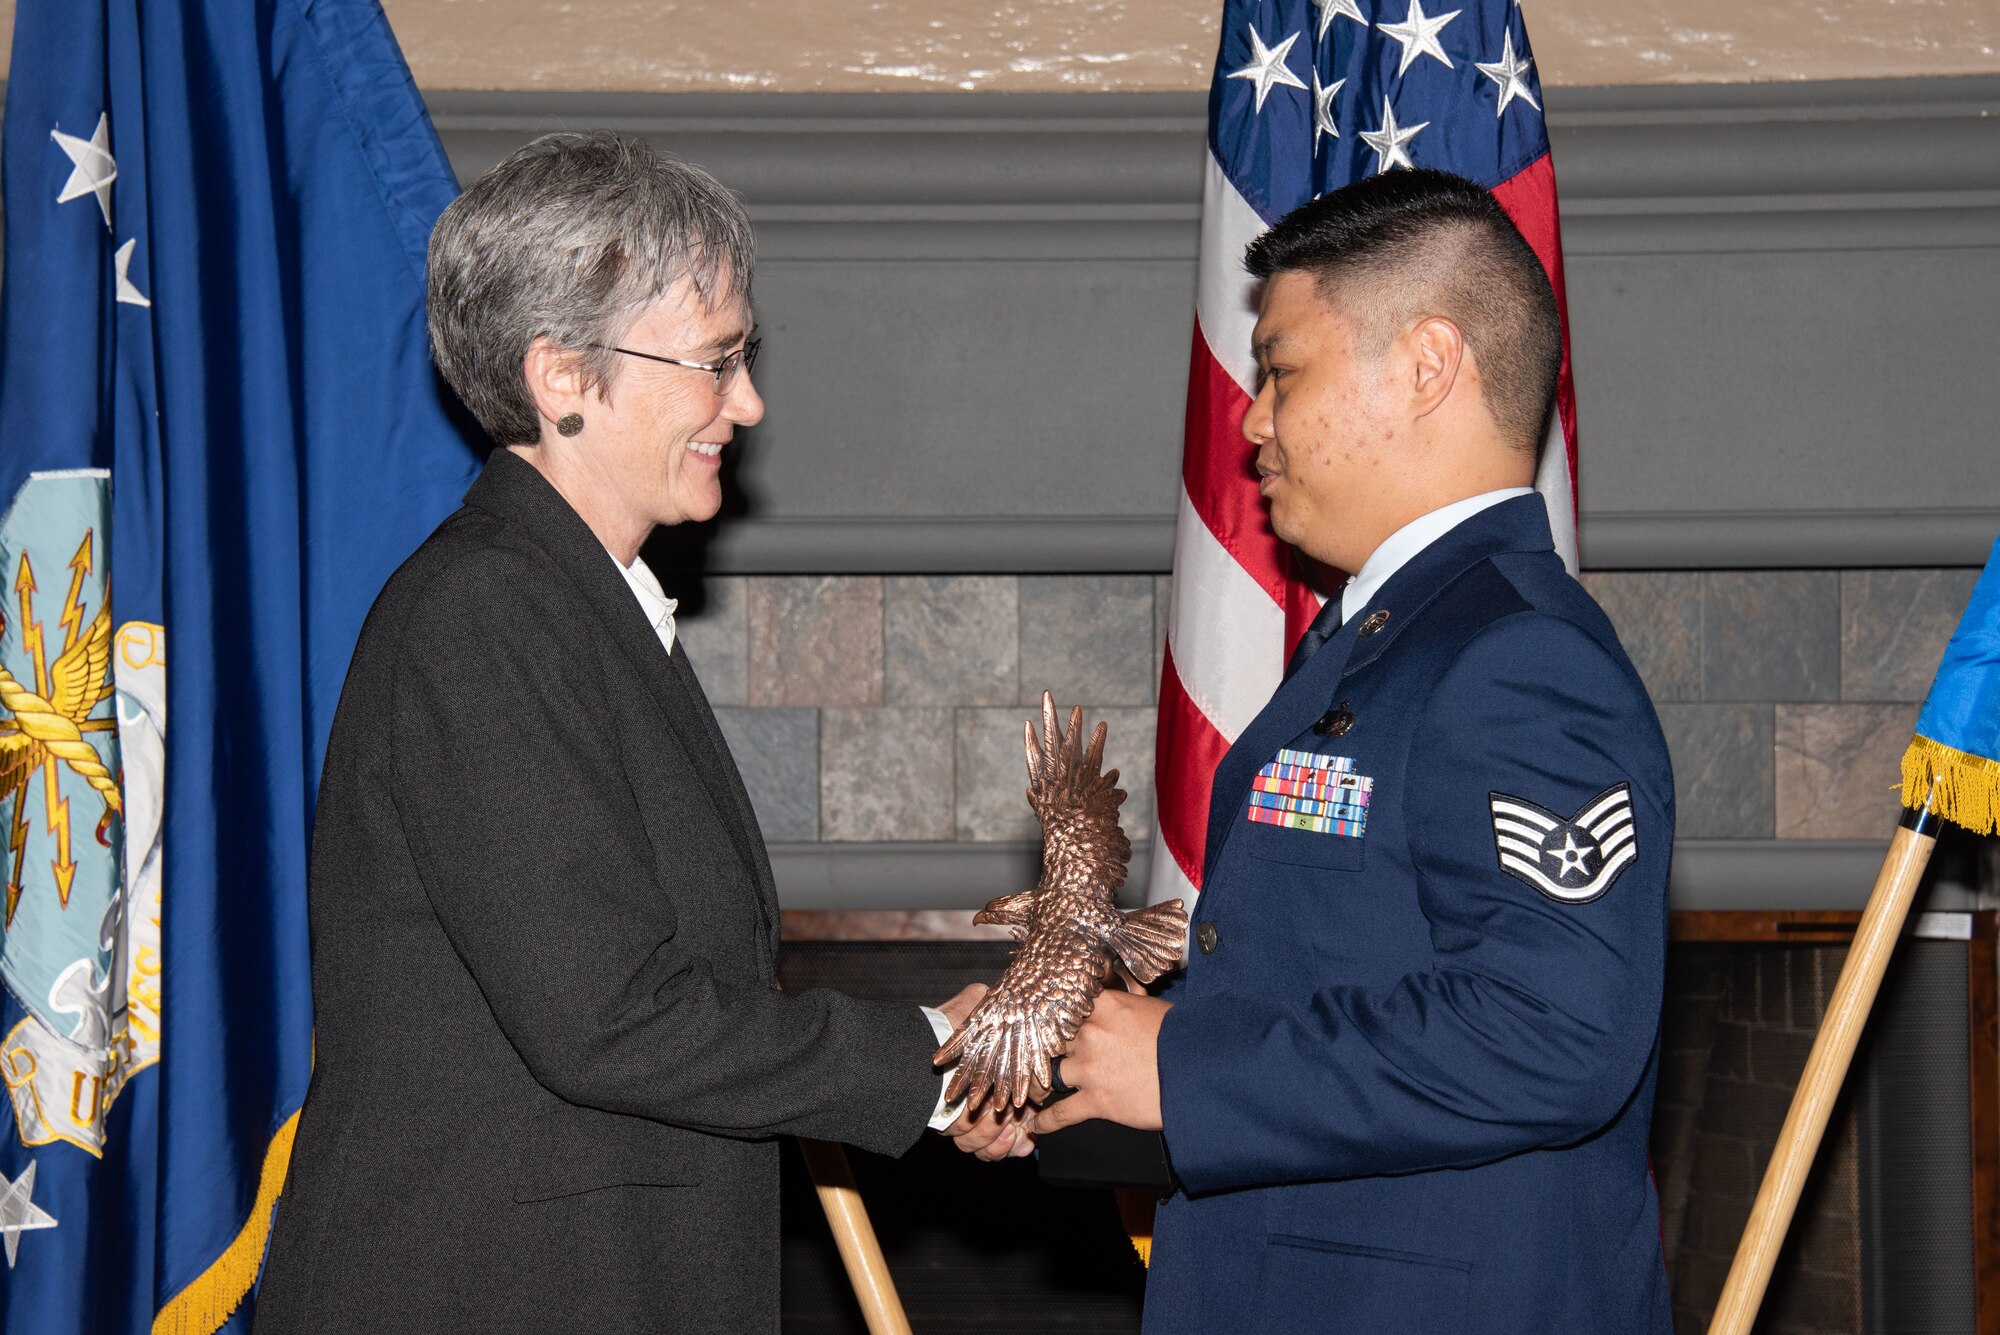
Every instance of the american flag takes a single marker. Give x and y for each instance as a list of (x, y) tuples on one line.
[(1307, 97)]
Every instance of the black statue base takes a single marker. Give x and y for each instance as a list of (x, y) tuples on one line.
[(1105, 1154)]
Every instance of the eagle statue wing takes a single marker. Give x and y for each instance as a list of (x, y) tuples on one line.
[(1069, 926), (1077, 801)]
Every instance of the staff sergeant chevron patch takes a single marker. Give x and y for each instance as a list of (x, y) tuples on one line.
[(1574, 859)]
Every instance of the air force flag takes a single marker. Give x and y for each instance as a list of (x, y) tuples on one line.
[(219, 434)]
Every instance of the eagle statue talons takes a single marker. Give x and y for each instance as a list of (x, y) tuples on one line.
[(1069, 925)]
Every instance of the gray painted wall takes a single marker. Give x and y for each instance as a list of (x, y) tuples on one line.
[(978, 310), (1813, 875)]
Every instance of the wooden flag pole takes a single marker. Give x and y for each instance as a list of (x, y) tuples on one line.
[(867, 1268), (1832, 1052), (854, 1234)]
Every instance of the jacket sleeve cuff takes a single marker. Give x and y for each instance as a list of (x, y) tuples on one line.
[(945, 1113)]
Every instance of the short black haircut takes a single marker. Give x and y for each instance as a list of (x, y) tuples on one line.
[(1398, 246)]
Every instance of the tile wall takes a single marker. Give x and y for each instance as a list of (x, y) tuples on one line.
[(889, 708), (1787, 696)]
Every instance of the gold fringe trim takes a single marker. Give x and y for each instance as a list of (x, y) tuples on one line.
[(1135, 1211), (1968, 786), (214, 1296)]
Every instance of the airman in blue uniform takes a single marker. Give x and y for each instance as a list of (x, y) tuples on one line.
[(1406, 1080)]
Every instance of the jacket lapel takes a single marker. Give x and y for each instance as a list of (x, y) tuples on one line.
[(725, 766), (1517, 525), (512, 489)]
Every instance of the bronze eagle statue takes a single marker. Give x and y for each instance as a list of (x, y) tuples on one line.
[(1069, 925)]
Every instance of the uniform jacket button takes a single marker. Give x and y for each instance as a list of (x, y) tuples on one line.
[(1206, 937), (1374, 622), (1335, 722)]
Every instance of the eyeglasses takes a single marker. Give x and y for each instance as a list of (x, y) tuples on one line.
[(724, 371)]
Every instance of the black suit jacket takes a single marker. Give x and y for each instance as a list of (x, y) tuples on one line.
[(550, 1058)]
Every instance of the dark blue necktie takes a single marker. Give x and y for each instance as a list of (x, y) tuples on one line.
[(1324, 627)]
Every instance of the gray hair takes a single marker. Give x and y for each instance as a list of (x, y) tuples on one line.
[(569, 239)]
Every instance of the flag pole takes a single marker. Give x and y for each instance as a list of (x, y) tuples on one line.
[(854, 1234), (867, 1268), (1832, 1052)]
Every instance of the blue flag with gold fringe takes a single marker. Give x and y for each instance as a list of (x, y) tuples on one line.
[(1953, 763), (219, 434)]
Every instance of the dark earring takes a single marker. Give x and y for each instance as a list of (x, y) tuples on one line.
[(569, 424)]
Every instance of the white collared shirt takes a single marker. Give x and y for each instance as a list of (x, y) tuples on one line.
[(1397, 549), (653, 600), (659, 610)]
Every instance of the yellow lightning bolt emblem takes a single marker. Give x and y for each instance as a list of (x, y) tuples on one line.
[(17, 830), (17, 844), (31, 643), (55, 806), (56, 810), (31, 629), (43, 728), (72, 617)]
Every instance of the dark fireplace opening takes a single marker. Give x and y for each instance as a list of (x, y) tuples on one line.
[(1884, 1239), (1887, 1240), (1738, 1022), (983, 1249)]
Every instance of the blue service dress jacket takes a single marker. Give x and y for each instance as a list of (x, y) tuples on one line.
[(1407, 1080)]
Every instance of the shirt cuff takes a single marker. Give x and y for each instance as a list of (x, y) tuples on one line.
[(945, 1114)]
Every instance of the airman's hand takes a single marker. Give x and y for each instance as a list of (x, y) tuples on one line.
[(1114, 1065)]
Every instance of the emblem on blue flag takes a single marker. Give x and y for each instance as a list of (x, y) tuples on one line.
[(80, 961), (1574, 859)]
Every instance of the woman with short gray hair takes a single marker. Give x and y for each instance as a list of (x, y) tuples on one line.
[(550, 1058)]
